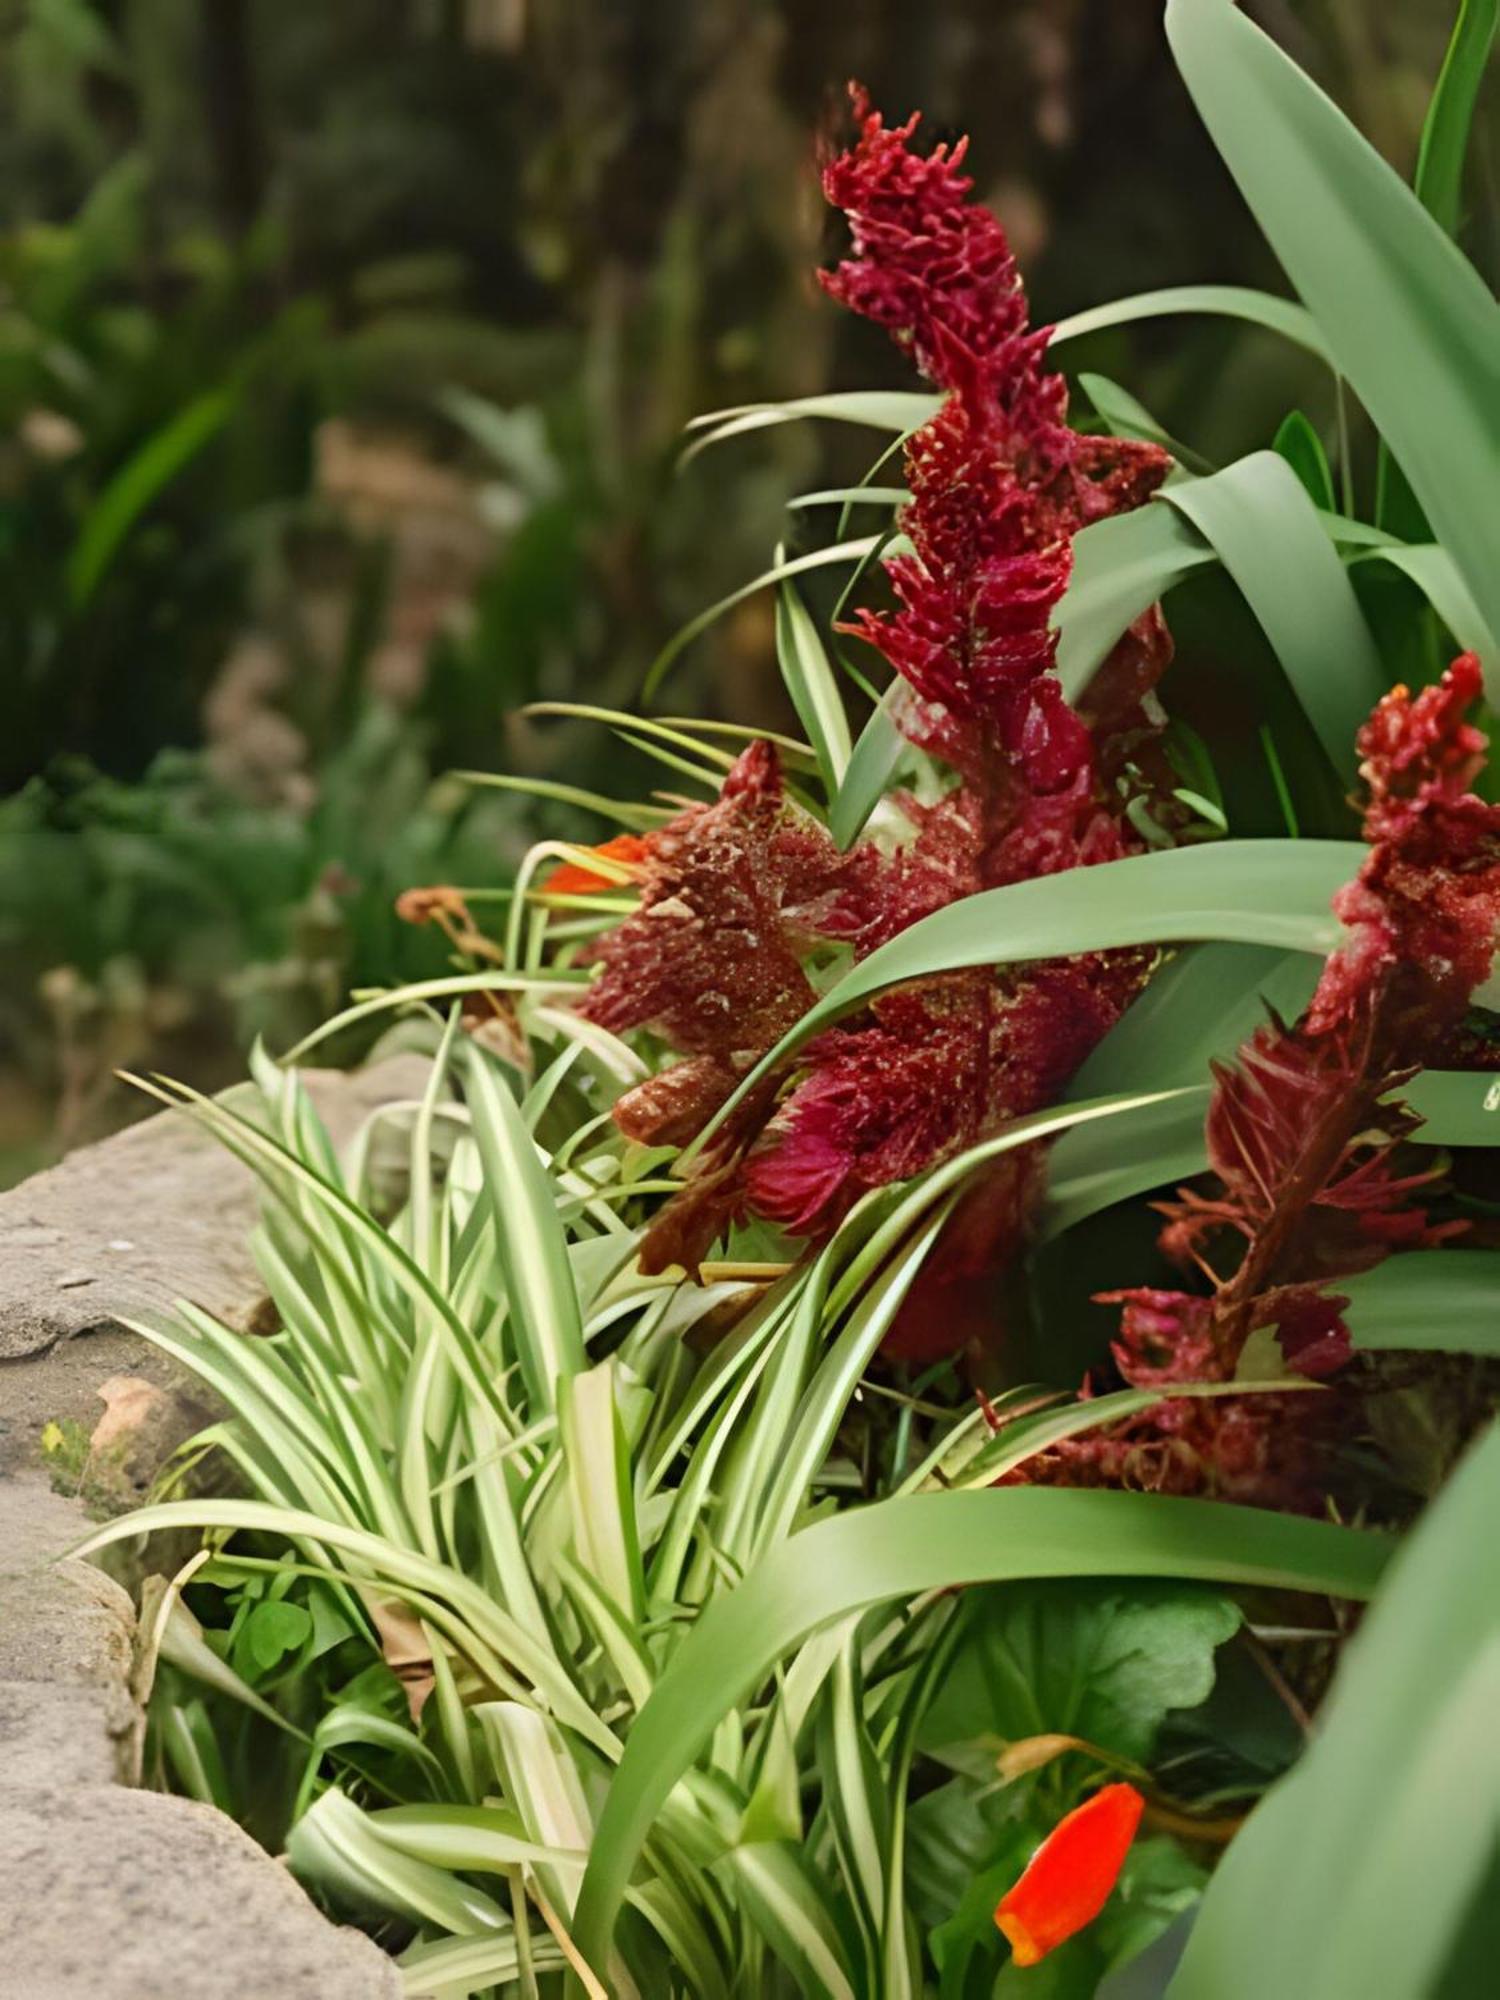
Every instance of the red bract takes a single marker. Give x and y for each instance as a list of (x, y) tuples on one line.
[(731, 894), (1424, 910), (1306, 1133), (736, 893), (937, 272), (1070, 1877)]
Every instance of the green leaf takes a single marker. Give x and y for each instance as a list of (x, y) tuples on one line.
[(774, 1881), (1080, 1658), (867, 776), (1201, 1004), (1432, 570), (1160, 1141), (1121, 566), (137, 483), (839, 552), (897, 410), (1445, 135), (1299, 444), (1259, 517), (906, 1547), (1398, 1795), (1127, 417), (1157, 1144), (1434, 1301), (532, 1242), (273, 1629), (1439, 188), (1461, 1107), (1246, 891), (602, 1506), (811, 685), (1283, 316), (1409, 323)]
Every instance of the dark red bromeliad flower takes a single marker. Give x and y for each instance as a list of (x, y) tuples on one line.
[(737, 894), (1306, 1134)]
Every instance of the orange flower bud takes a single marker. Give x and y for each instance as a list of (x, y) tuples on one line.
[(572, 880), (1068, 1880)]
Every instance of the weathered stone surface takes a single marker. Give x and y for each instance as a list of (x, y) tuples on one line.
[(123, 1229), (156, 1213), (67, 1643), (54, 1737), (110, 1894)]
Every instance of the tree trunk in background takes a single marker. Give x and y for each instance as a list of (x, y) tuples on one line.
[(230, 113)]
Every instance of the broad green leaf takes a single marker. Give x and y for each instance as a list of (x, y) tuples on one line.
[(839, 552), (1200, 1005), (1461, 1107), (1259, 517), (1445, 135), (1127, 417), (906, 1547), (1398, 1795), (1434, 1301), (602, 1506), (1439, 188), (1283, 316), (273, 1629), (1159, 1141), (1299, 444), (137, 483), (1432, 570), (810, 683), (1408, 321), (532, 1243), (335, 1844), (1273, 892), (1079, 1658), (1095, 1165), (1121, 566), (783, 1900), (867, 776)]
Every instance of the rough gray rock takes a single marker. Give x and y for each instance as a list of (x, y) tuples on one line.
[(67, 1644), (156, 1213), (121, 1230), (109, 1894), (52, 1738)]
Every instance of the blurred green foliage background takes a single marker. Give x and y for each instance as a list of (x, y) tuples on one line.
[(344, 355)]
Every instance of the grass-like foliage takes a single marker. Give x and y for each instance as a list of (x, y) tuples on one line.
[(641, 1561)]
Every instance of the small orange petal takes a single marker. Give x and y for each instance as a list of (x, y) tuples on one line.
[(1068, 1880), (573, 880)]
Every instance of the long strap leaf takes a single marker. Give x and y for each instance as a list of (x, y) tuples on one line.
[(904, 1548)]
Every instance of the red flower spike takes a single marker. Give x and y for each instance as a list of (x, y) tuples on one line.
[(1070, 1877), (1424, 911), (999, 482), (629, 850)]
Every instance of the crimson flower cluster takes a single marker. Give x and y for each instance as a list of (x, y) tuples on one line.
[(737, 895), (1307, 1136)]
